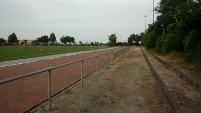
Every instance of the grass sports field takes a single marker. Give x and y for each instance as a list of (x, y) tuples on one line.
[(19, 52)]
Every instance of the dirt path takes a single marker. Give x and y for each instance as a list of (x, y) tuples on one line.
[(125, 86)]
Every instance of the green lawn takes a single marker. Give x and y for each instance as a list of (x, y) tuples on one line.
[(18, 52)]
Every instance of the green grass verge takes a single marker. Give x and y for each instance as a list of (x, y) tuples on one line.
[(18, 52)]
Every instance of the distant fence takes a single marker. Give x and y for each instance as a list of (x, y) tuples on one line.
[(113, 55)]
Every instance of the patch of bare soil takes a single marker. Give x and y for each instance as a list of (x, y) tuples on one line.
[(125, 86)]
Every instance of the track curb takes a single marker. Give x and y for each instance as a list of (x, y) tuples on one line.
[(181, 74), (174, 107)]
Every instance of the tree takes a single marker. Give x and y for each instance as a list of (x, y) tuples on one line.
[(92, 43), (12, 38), (134, 39), (182, 23), (71, 39), (112, 39), (17, 42), (96, 43), (131, 39), (52, 37), (2, 41), (22, 43), (150, 41), (67, 39), (80, 42), (43, 39), (64, 39), (192, 47)]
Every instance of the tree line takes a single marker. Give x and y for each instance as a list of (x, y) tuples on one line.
[(133, 39), (12, 39), (177, 28)]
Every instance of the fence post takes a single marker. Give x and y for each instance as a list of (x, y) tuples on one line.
[(114, 55), (49, 89), (82, 73), (118, 54), (97, 65), (111, 58), (106, 60)]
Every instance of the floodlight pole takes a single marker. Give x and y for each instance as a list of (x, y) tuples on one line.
[(153, 11), (163, 29), (145, 23)]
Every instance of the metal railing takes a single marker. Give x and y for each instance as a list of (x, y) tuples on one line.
[(114, 55)]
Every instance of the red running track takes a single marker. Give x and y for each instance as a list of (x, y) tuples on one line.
[(19, 95)]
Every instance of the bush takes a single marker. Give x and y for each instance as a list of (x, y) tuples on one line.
[(168, 42), (159, 44), (192, 47), (150, 40)]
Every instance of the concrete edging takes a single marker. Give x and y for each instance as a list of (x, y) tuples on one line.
[(182, 75), (174, 107)]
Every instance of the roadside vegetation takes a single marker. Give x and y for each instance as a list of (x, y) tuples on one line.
[(176, 29)]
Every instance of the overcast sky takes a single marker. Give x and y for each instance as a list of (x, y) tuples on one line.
[(85, 20)]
